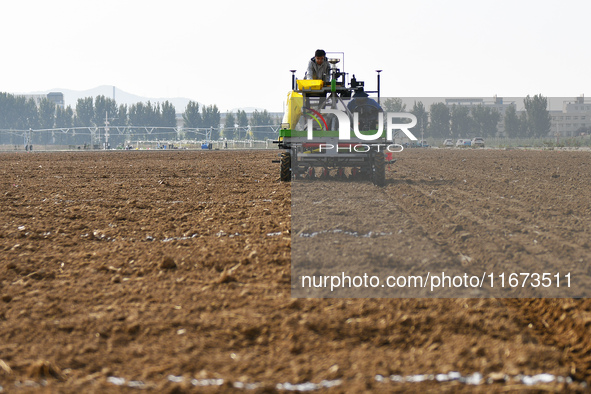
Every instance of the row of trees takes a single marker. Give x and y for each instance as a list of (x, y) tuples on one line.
[(236, 126), (458, 121), (441, 121), (461, 121), (20, 113), (16, 112)]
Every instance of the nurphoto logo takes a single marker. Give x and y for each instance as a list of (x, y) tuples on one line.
[(345, 124)]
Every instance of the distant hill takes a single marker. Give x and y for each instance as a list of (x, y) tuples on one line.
[(121, 97)]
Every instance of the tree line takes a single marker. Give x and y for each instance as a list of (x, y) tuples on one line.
[(440, 121), (457, 121), (19, 113)]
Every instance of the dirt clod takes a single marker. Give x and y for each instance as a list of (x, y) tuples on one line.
[(168, 263)]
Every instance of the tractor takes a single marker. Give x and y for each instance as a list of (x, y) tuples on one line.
[(332, 130)]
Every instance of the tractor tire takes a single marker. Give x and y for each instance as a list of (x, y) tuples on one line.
[(285, 167), (379, 169)]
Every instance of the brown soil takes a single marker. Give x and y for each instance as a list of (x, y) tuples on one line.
[(142, 265)]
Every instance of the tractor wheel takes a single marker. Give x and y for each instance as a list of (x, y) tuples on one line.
[(285, 167), (379, 169)]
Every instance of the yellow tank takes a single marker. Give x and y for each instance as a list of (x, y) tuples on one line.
[(293, 111), (310, 84)]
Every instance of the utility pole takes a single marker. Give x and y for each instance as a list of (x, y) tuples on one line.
[(106, 130)]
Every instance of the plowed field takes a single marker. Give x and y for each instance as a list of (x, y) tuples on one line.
[(164, 271)]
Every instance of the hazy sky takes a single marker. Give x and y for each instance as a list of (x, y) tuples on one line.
[(239, 53)]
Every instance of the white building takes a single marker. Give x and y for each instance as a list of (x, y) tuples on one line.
[(574, 116)]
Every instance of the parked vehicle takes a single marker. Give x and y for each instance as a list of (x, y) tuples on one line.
[(478, 142), (448, 143), (462, 143), (416, 144)]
